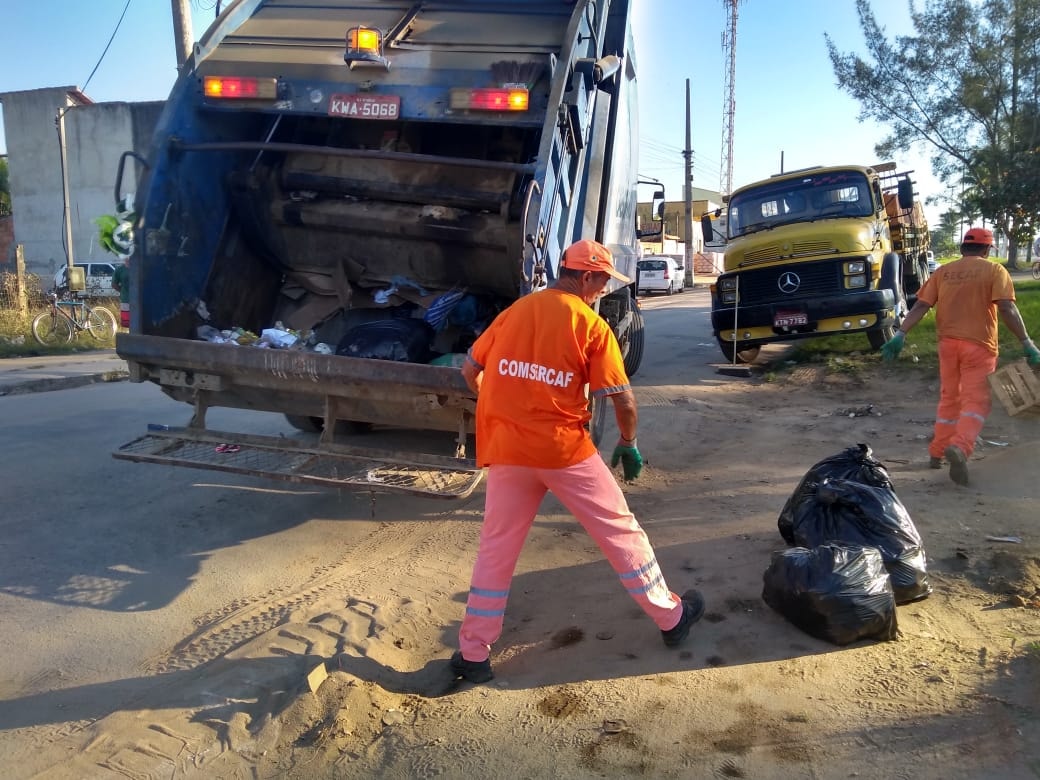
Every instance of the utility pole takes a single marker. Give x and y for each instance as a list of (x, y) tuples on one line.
[(688, 189), (182, 33), (66, 199)]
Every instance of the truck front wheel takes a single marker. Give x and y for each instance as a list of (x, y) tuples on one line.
[(737, 352), (878, 336), (891, 278)]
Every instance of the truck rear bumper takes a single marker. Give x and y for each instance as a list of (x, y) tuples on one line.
[(761, 324), (297, 382), (292, 382)]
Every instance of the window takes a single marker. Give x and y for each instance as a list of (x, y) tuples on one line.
[(653, 265)]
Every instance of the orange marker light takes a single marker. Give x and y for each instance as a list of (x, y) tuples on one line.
[(363, 39)]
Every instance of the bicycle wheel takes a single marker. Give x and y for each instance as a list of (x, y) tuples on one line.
[(1036, 271), (51, 329), (101, 323)]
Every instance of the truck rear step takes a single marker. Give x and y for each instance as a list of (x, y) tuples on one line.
[(289, 460)]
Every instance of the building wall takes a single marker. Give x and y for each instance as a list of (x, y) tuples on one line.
[(93, 166), (34, 168), (96, 136)]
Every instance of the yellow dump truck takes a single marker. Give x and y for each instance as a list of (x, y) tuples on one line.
[(817, 251)]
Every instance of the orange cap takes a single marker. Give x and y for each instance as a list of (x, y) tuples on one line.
[(587, 255), (978, 236)]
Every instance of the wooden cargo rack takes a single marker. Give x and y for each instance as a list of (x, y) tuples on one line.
[(1017, 385)]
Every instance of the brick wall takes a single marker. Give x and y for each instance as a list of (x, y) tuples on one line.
[(7, 243), (707, 263)]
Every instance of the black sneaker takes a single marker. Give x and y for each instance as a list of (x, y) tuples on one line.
[(473, 671), (692, 609), (935, 463), (958, 464)]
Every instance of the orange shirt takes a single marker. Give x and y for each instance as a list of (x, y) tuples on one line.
[(964, 294), (537, 357)]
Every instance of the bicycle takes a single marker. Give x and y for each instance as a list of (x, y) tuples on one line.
[(67, 318), (1036, 270)]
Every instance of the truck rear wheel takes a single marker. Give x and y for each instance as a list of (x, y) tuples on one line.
[(308, 424), (737, 352), (598, 423), (636, 339), (914, 282)]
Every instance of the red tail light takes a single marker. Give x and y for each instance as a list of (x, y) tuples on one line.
[(489, 99), (234, 88)]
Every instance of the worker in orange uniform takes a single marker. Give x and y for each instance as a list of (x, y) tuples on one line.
[(967, 295), (529, 370)]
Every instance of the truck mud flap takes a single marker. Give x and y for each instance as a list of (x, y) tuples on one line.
[(290, 460)]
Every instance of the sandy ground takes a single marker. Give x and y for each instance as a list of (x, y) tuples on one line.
[(584, 687)]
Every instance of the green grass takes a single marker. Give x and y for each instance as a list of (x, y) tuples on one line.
[(16, 339), (846, 353)]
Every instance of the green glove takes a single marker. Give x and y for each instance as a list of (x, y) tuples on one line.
[(890, 349), (1031, 353), (628, 454)]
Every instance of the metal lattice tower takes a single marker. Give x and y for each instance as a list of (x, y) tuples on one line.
[(729, 108)]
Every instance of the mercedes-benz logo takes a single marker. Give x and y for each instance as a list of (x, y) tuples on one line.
[(788, 282)]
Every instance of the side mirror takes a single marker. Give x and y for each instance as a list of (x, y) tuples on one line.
[(707, 229), (657, 205), (906, 194)]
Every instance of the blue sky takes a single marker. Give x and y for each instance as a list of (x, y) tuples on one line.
[(786, 99)]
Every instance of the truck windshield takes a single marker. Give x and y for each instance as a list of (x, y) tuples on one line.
[(825, 195)]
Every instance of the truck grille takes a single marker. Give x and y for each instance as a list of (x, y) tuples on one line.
[(798, 249), (762, 286)]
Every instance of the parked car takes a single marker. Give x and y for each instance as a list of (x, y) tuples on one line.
[(98, 277), (933, 264), (659, 273)]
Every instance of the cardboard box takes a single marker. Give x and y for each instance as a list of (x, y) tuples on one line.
[(1017, 385)]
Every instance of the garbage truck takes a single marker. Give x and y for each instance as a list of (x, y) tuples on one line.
[(339, 197), (815, 252)]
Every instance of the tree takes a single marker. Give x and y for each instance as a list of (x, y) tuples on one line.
[(967, 85), (5, 188)]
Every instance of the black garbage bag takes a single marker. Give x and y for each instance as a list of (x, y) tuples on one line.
[(841, 510), (403, 340), (837, 592), (856, 463)]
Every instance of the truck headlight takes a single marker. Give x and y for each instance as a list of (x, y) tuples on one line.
[(859, 280), (729, 297), (728, 284), (855, 267)]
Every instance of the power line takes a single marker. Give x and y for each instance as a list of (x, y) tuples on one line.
[(84, 88)]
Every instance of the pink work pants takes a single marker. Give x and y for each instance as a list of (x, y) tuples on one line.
[(964, 399), (591, 494)]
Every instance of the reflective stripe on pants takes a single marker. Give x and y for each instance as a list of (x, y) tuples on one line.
[(591, 494), (964, 397)]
